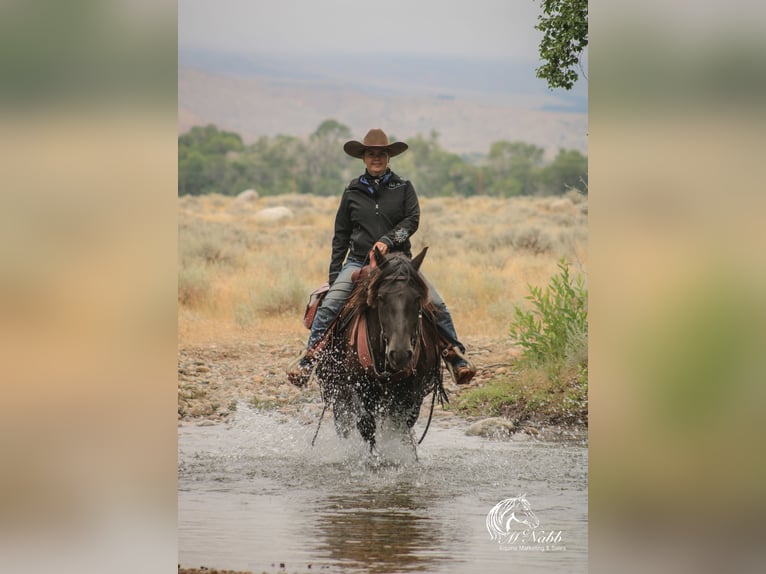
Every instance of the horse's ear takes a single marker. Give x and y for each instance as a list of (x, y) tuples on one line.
[(418, 259)]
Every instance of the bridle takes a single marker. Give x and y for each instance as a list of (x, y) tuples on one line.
[(416, 340)]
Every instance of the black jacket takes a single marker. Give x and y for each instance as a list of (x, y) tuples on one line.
[(384, 209)]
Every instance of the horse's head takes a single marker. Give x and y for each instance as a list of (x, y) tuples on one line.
[(398, 293)]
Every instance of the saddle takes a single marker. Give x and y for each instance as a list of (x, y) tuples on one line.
[(359, 337), (317, 296)]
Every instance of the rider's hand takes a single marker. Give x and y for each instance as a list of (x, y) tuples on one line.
[(382, 247)]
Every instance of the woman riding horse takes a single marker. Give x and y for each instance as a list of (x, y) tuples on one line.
[(379, 210)]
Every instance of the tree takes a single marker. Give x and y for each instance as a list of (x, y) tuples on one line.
[(215, 161), (514, 168), (434, 170), (568, 170), (565, 35), (209, 140), (323, 174), (331, 131), (191, 173), (202, 159), (275, 164)]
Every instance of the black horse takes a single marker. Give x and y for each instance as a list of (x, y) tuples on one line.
[(381, 357)]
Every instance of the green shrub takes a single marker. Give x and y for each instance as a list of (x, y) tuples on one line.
[(527, 395), (494, 399), (557, 325)]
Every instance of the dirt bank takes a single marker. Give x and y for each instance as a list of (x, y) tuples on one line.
[(213, 380)]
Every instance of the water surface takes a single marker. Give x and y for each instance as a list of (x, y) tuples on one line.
[(253, 495)]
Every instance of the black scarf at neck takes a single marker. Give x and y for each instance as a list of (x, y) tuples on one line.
[(365, 179)]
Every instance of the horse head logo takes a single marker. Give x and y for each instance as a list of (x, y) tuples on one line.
[(502, 516)]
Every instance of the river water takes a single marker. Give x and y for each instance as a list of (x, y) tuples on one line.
[(255, 495)]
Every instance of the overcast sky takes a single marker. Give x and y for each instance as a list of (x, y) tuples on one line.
[(486, 28)]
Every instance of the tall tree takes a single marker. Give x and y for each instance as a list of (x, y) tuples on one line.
[(564, 24), (434, 170), (514, 168), (202, 159), (324, 165), (211, 160), (568, 170)]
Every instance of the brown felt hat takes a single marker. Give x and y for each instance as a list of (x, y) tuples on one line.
[(375, 139)]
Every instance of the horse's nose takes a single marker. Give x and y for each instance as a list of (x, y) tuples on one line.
[(399, 358)]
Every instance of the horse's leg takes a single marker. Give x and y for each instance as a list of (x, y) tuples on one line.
[(414, 443), (343, 418), (413, 415), (366, 426), (344, 413)]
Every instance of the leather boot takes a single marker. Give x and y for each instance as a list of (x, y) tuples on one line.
[(459, 367), (300, 370)]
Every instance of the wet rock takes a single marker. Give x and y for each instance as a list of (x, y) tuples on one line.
[(494, 427)]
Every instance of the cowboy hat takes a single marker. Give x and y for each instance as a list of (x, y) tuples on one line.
[(375, 139)]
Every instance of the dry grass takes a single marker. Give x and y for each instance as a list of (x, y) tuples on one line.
[(239, 277)]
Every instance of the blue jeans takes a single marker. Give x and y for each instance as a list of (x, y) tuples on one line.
[(340, 290)]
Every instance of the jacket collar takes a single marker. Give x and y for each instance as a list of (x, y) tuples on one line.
[(369, 183)]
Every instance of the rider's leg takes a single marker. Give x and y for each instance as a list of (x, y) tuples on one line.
[(299, 371), (463, 370), (333, 301)]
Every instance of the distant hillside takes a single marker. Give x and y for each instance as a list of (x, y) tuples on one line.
[(255, 97)]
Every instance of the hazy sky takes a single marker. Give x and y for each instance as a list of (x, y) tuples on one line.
[(487, 28)]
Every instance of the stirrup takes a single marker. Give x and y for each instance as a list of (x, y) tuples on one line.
[(466, 373)]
